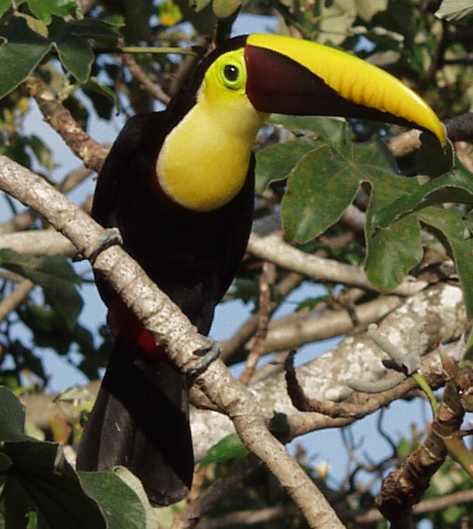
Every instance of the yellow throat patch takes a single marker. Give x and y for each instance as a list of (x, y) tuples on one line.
[(204, 160)]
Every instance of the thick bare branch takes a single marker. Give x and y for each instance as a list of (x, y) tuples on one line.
[(330, 323), (272, 248), (441, 307), (38, 242)]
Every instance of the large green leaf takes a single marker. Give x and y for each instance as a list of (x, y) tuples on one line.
[(333, 130), (456, 230), (454, 10), (393, 228), (392, 252), (324, 180), (4, 6), (15, 506), (100, 30), (74, 51), (75, 55), (44, 9), (455, 186), (54, 274), (22, 50), (321, 173), (327, 179), (42, 476), (121, 506), (12, 417), (276, 162), (36, 475)]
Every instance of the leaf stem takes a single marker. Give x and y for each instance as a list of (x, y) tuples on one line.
[(146, 49), (424, 386)]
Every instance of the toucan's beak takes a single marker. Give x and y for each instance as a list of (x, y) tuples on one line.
[(292, 76)]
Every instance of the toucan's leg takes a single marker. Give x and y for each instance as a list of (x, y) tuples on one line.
[(112, 237), (207, 354)]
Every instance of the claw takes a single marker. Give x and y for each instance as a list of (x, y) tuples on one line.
[(112, 237), (207, 354)]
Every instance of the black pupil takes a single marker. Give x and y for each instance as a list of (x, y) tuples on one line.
[(230, 72)]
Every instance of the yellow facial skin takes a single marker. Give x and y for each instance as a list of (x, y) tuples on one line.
[(219, 131)]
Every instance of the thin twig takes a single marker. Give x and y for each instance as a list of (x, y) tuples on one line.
[(138, 73), (214, 494), (15, 298), (248, 329), (267, 276)]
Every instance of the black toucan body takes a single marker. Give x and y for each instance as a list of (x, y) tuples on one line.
[(179, 186)]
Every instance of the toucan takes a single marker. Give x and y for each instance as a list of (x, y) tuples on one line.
[(179, 186)]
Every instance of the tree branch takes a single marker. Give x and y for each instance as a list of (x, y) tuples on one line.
[(272, 248), (61, 120), (15, 298)]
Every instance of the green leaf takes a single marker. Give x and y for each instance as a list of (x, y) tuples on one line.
[(433, 160), (454, 10), (455, 186), (456, 230), (103, 97), (100, 30), (122, 507), (319, 190), (41, 474), (393, 252), (54, 274), (44, 9), (334, 131), (15, 506), (326, 180), (20, 53), (230, 447), (276, 162), (279, 423), (42, 152), (75, 55), (198, 5), (4, 6), (5, 463), (225, 8), (12, 417)]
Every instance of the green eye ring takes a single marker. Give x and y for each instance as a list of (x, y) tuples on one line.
[(233, 75)]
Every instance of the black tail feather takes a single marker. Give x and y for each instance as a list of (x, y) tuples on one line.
[(141, 421)]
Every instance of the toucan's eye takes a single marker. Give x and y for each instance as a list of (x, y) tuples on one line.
[(231, 73)]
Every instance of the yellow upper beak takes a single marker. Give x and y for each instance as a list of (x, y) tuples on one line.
[(293, 76)]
